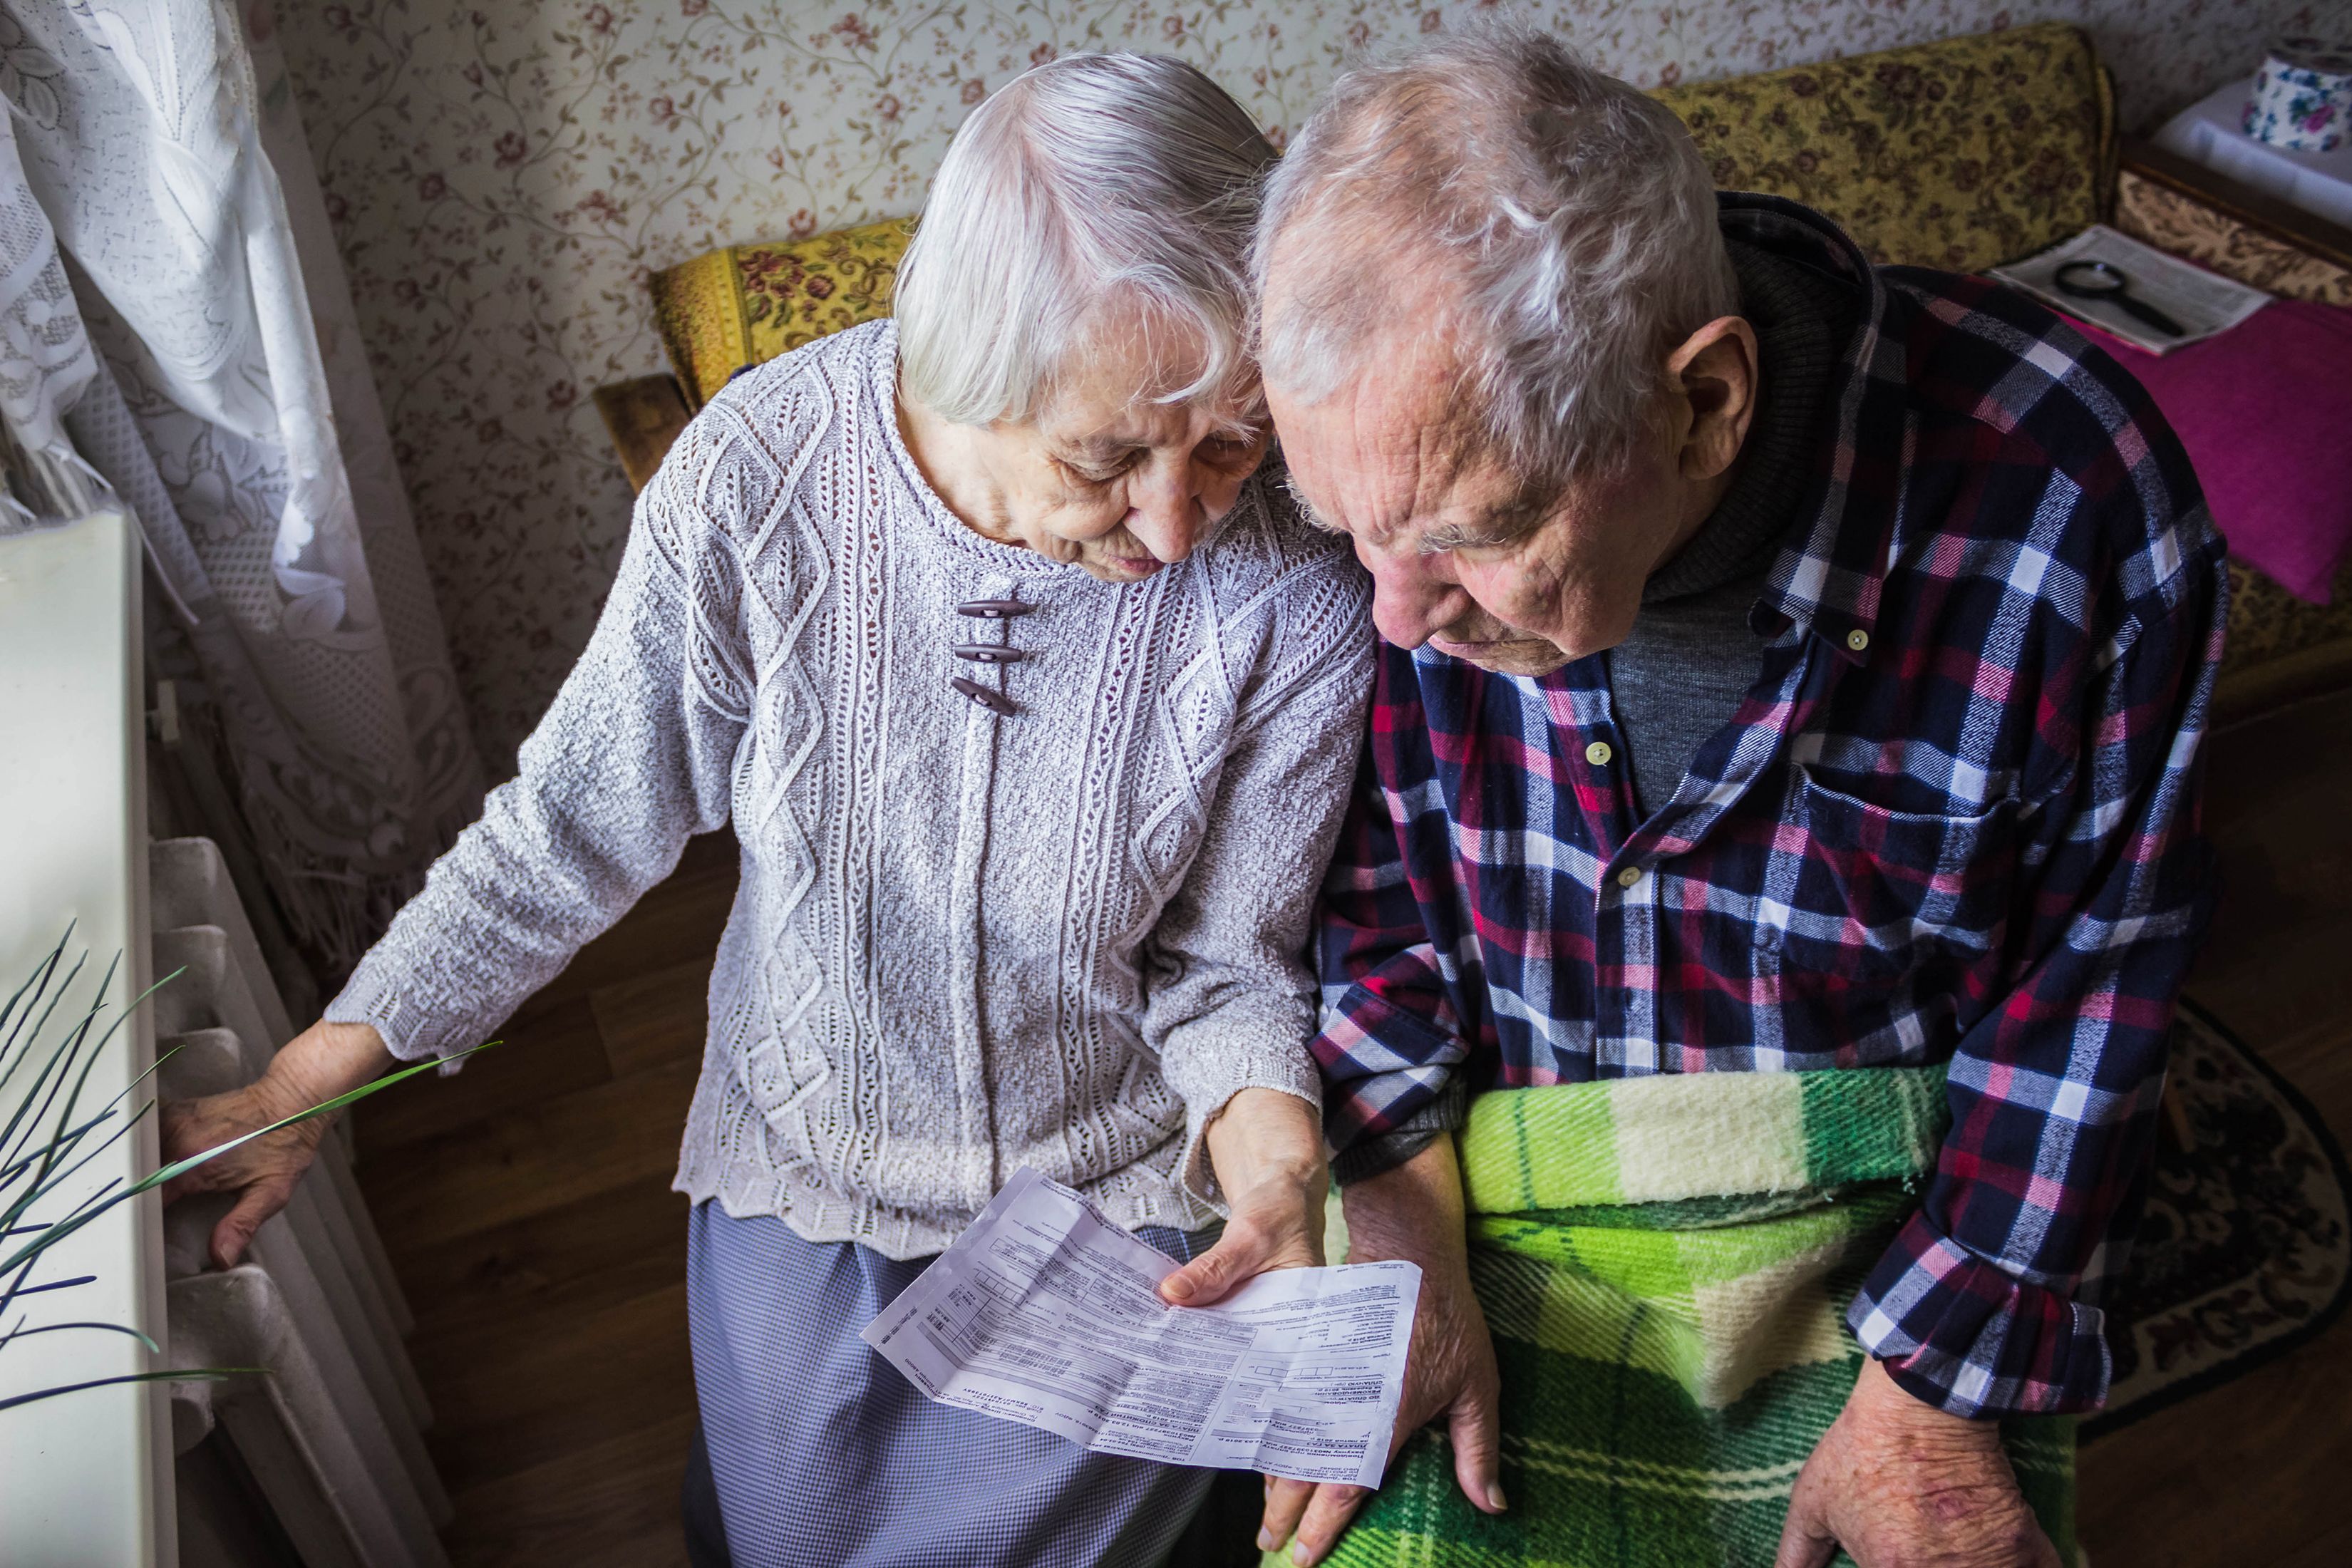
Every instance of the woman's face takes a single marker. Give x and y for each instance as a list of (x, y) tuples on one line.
[(1106, 479)]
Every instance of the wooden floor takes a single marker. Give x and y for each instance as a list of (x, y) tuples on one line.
[(2260, 1470), (526, 1204)]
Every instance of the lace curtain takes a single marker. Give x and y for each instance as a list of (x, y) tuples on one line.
[(176, 337)]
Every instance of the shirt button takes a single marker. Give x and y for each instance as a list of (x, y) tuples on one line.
[(1857, 639), (1629, 875), (1598, 753)]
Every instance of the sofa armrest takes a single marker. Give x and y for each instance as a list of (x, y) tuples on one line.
[(643, 416), (2256, 210), (2281, 648)]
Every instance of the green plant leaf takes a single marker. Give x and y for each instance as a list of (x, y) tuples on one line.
[(26, 1026), (32, 1106), (37, 1167), (175, 1375), (55, 1328)]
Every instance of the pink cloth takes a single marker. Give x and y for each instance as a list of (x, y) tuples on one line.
[(2265, 411)]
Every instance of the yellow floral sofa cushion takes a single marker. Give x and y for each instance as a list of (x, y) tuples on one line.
[(1958, 154), (748, 303)]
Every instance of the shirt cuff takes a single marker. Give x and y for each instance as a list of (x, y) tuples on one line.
[(1969, 1338), (1385, 1152), (1381, 1064), (1291, 1075), (407, 1030)]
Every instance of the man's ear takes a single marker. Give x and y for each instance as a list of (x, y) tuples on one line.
[(1715, 373)]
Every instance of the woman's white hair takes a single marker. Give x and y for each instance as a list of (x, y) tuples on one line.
[(1558, 226), (1091, 181)]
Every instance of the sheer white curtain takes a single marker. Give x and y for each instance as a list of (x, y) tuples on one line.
[(175, 327)]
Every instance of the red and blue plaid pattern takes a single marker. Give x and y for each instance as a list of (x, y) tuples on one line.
[(1953, 821)]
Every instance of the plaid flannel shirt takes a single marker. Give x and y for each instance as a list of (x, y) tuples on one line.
[(1952, 821)]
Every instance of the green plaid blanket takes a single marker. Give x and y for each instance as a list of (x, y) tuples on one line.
[(1665, 1263)]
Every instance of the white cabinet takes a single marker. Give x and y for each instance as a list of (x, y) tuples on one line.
[(84, 1478)]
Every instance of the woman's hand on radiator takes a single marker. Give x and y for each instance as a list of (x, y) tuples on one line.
[(323, 1061)]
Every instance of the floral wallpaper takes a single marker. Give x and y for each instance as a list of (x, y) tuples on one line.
[(502, 175)]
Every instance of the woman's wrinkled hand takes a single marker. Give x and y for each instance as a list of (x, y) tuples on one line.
[(323, 1061), (1266, 1148), (262, 1173)]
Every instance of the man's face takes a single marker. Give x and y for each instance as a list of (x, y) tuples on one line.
[(1460, 558)]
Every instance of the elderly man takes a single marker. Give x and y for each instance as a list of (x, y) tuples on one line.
[(1774, 855)]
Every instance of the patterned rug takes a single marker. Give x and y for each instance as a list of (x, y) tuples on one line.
[(2245, 1251)]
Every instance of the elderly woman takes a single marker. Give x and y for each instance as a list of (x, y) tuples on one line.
[(1034, 712)]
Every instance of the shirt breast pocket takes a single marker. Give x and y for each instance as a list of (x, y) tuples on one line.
[(1857, 890)]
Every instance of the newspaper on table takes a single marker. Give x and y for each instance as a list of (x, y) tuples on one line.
[(2201, 303), (1047, 1313)]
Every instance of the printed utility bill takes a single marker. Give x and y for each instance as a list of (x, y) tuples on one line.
[(1047, 1313)]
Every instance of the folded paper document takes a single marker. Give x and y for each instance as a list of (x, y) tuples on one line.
[(1047, 1313), (2150, 299)]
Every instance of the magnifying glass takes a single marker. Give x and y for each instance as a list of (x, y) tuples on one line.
[(2103, 280)]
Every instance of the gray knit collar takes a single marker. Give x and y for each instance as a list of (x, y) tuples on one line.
[(1802, 319)]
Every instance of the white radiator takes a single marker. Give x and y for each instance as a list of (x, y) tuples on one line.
[(330, 1438), (318, 1460)]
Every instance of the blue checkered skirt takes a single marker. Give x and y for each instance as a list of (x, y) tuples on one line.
[(824, 1457)]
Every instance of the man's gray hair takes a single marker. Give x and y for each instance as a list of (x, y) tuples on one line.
[(1558, 226), (1094, 179)]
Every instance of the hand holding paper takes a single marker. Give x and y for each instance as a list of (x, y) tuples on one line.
[(1046, 1313)]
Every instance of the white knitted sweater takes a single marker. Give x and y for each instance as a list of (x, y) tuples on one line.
[(965, 941)]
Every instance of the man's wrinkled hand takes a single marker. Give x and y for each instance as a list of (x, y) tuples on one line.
[(1413, 1213), (1900, 1484)]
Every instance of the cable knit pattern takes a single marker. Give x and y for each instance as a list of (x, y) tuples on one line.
[(963, 942)]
